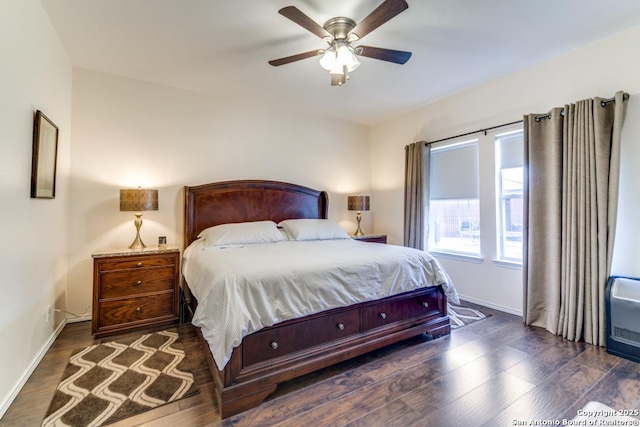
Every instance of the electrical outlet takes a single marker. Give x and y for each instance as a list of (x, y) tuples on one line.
[(49, 313)]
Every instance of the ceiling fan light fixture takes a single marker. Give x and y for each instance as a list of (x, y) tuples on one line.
[(328, 59), (339, 55), (344, 54), (339, 70), (347, 57), (354, 63)]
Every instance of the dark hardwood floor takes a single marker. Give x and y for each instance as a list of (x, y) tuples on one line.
[(489, 373)]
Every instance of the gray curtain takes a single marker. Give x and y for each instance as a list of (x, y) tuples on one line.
[(572, 162), (416, 194)]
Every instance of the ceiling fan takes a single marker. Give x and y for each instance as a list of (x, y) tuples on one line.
[(340, 58)]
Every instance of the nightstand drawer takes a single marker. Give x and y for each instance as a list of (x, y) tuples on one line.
[(139, 262), (124, 283), (141, 309)]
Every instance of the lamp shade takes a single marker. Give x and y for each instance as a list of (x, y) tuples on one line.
[(328, 60), (138, 200), (358, 203)]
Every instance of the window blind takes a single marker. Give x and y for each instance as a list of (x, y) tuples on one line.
[(511, 151), (454, 172)]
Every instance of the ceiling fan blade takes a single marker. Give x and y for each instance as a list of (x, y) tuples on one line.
[(379, 16), (390, 55), (294, 14), (293, 58)]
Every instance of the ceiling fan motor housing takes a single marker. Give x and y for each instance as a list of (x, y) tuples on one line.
[(339, 27)]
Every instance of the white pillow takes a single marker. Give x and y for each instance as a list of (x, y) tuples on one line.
[(313, 229), (242, 233)]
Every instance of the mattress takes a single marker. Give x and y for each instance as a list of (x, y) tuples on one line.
[(243, 288)]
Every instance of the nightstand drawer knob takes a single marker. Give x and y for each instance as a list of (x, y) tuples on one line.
[(139, 282), (383, 316), (340, 326), (425, 304), (274, 345), (139, 264), (139, 309)]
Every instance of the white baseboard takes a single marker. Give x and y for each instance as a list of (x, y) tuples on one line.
[(32, 367), (491, 305), (78, 319)]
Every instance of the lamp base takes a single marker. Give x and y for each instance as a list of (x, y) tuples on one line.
[(137, 242), (359, 232)]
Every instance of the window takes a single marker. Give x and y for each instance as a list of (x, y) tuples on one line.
[(509, 187), (454, 208)]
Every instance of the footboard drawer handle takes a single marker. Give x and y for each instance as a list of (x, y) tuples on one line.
[(383, 315), (340, 326), (139, 309), (274, 345), (425, 304), (139, 264), (139, 282)]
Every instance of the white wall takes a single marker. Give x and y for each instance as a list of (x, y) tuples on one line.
[(599, 69), (35, 75), (128, 133)]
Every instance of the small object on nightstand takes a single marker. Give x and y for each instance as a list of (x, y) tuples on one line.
[(137, 201), (358, 203), (162, 242), (135, 288), (372, 238)]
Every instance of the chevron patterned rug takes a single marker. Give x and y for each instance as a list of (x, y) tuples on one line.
[(107, 382), (460, 316)]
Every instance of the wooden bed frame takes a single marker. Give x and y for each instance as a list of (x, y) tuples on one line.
[(300, 346)]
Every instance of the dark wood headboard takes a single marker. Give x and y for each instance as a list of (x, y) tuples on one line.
[(248, 200)]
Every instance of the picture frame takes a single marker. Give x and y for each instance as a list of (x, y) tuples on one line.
[(44, 160)]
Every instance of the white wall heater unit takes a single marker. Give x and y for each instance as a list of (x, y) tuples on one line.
[(622, 302)]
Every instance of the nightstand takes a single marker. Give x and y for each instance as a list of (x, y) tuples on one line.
[(135, 288), (372, 238)]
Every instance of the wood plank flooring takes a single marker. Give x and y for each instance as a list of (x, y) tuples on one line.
[(490, 373)]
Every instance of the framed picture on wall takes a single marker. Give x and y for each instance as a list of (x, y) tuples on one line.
[(45, 153)]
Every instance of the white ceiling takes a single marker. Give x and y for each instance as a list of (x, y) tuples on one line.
[(221, 47)]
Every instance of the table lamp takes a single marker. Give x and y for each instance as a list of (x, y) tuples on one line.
[(138, 200), (359, 204)]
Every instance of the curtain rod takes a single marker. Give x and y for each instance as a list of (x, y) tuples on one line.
[(603, 103), (475, 131)]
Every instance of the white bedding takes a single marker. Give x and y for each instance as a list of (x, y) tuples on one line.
[(241, 289)]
